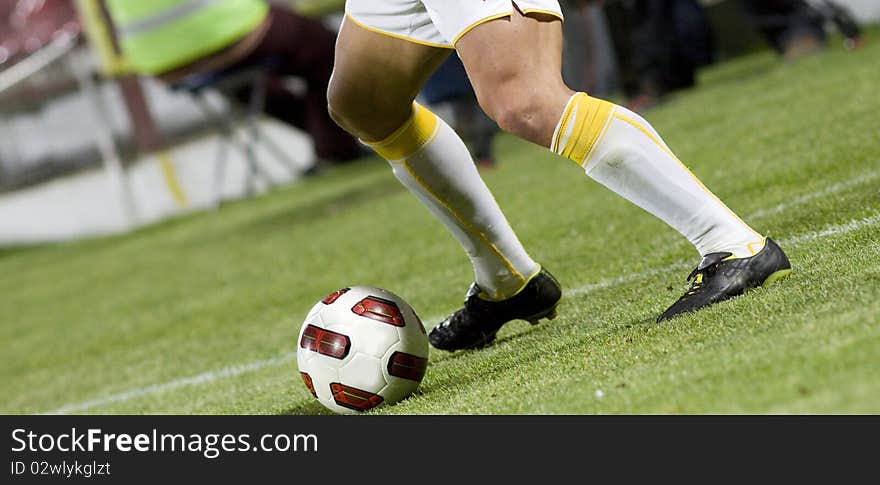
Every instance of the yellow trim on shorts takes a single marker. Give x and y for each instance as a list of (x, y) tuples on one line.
[(547, 12), (478, 23), (396, 36)]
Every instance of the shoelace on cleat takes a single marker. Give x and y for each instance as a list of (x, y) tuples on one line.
[(696, 278), (707, 268)]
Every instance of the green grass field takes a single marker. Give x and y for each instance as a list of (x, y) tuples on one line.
[(201, 314)]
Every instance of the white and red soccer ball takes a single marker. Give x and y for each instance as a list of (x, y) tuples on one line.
[(361, 347)]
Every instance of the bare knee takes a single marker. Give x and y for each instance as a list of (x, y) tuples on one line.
[(512, 113), (516, 109), (340, 106), (364, 115), (515, 67)]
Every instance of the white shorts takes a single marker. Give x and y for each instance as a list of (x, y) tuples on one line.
[(437, 23)]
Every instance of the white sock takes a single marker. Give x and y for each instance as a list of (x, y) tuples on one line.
[(430, 159), (621, 151)]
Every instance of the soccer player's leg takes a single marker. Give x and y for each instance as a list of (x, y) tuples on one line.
[(514, 64), (375, 80)]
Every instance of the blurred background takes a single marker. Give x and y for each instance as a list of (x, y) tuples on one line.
[(98, 136)]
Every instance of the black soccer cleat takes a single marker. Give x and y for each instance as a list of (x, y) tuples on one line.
[(720, 277), (476, 324)]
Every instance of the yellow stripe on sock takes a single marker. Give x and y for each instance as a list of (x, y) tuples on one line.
[(580, 117), (599, 112), (421, 130), (759, 244), (589, 123), (465, 223), (662, 146), (560, 130), (601, 137), (410, 137)]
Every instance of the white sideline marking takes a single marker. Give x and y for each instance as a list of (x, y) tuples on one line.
[(840, 186), (236, 370), (626, 279), (853, 225), (230, 371)]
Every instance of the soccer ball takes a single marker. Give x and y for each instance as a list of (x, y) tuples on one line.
[(361, 347)]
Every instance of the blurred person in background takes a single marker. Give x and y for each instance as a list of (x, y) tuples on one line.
[(174, 39), (659, 46), (791, 27), (796, 28)]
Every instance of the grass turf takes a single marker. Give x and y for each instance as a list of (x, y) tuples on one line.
[(200, 314)]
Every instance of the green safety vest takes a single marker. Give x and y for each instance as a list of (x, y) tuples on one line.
[(158, 36)]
